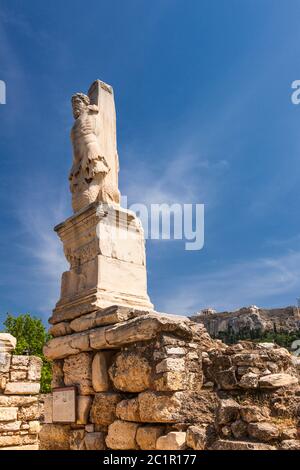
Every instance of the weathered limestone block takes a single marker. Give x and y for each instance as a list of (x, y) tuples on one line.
[(264, 432), (172, 381), (290, 444), (22, 388), (103, 409), (169, 339), (142, 328), (29, 413), (16, 440), (128, 410), (25, 426), (57, 374), (77, 439), (95, 441), (277, 380), (288, 433), (145, 328), (172, 441), (244, 370), (147, 436), (249, 381), (85, 322), (7, 342), (222, 444), (194, 382), (54, 437), (24, 447), (19, 362), (11, 426), (34, 368), (34, 427), (159, 407), (97, 338), (3, 380), (17, 400), (100, 365), (178, 372), (107, 316), (8, 414), (228, 411), (17, 375), (64, 346), (61, 329), (197, 407), (84, 403), (171, 364), (78, 371), (5, 359), (122, 435), (196, 437), (253, 414), (175, 351), (130, 372)]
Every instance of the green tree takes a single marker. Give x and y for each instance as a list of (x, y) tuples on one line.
[(31, 336), (282, 338)]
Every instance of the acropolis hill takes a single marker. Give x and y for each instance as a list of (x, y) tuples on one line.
[(252, 319)]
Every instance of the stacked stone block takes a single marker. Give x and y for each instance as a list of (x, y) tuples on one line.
[(150, 381), (20, 409), (138, 377), (258, 390)]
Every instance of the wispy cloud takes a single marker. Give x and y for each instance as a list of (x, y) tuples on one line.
[(260, 281), (37, 214), (175, 179)]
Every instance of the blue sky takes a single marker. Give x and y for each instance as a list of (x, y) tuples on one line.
[(203, 96)]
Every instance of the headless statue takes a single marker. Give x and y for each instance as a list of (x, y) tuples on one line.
[(91, 176)]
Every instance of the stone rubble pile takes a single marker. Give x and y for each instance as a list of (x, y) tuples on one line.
[(154, 381), (259, 395), (20, 408)]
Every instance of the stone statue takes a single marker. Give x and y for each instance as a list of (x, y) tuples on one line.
[(93, 176), (103, 242)]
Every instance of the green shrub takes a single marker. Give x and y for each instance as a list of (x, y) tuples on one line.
[(31, 336), (284, 339)]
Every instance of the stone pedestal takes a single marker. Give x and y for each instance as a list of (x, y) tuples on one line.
[(105, 247)]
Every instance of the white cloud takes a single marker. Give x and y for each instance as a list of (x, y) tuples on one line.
[(259, 282), (37, 214), (176, 180)]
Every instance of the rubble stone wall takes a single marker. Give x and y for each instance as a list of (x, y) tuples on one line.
[(20, 407), (154, 381)]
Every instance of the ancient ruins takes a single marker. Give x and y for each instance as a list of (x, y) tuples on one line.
[(250, 318), (20, 405), (124, 375)]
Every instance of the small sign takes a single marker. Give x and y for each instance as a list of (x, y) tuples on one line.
[(64, 405)]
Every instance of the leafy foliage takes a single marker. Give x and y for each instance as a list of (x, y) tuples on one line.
[(281, 338), (31, 336)]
